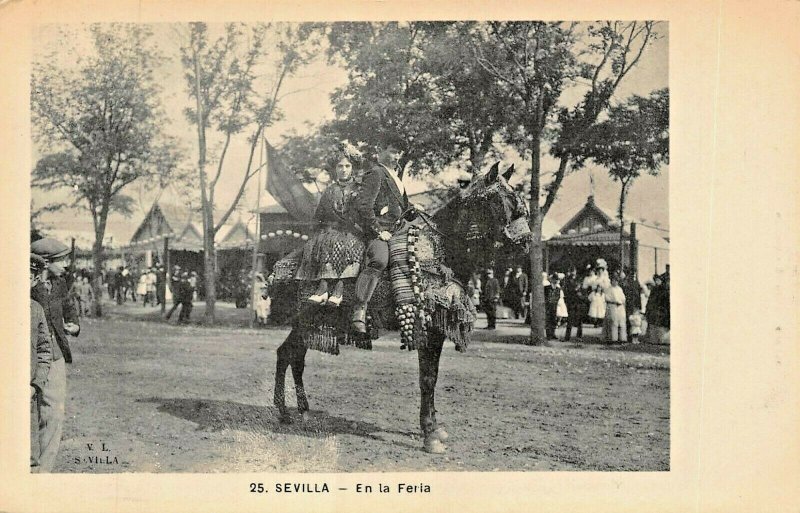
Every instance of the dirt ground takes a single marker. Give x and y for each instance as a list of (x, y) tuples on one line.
[(146, 396)]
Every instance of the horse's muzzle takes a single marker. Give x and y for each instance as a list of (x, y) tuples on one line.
[(518, 229)]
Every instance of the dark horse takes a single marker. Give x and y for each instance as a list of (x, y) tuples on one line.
[(484, 215)]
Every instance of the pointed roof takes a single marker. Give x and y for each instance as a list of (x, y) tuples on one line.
[(590, 210), (183, 226), (236, 235), (595, 225)]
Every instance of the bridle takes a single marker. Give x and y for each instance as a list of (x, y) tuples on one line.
[(517, 228)]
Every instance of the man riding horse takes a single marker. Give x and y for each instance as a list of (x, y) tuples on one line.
[(380, 204)]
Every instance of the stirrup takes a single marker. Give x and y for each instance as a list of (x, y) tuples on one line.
[(319, 299)]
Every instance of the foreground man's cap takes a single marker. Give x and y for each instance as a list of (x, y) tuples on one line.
[(49, 249)]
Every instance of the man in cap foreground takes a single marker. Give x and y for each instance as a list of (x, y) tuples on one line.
[(62, 320), (41, 359)]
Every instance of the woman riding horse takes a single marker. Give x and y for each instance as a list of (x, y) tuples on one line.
[(334, 253)]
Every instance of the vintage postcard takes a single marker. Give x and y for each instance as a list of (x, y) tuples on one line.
[(362, 257)]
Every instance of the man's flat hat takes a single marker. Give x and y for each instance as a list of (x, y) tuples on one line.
[(49, 249)]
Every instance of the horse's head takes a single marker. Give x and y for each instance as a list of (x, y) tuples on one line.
[(493, 210)]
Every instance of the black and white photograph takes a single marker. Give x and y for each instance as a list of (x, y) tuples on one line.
[(360, 256), (352, 246)]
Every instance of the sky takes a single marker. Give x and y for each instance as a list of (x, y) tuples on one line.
[(305, 102)]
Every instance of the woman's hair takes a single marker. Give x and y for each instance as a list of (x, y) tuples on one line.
[(339, 151)]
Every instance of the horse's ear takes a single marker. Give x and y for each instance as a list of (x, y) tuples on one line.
[(508, 173), (491, 176)]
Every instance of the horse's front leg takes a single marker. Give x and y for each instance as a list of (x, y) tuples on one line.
[(433, 436)]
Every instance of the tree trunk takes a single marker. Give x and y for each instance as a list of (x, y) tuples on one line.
[(97, 278), (476, 157), (210, 269), (97, 258), (621, 213), (210, 261), (537, 307)]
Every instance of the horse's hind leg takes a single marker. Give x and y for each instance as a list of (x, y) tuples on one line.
[(284, 359), (428, 375), (298, 366)]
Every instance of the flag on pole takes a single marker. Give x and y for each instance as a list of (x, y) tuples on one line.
[(287, 189)]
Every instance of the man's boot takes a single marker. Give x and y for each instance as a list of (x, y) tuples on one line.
[(365, 286)]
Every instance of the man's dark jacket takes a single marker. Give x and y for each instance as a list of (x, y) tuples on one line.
[(58, 307), (573, 293), (379, 203), (491, 290)]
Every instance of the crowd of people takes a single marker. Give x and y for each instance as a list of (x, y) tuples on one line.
[(147, 285), (489, 293), (150, 286), (615, 301)]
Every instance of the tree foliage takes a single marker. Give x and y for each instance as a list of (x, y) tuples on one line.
[(634, 138), (390, 98), (101, 122), (415, 86)]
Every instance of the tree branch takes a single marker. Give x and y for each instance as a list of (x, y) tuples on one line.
[(649, 32), (214, 181), (492, 70), (555, 185), (246, 178)]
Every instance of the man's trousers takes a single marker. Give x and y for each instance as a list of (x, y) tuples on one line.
[(51, 416)]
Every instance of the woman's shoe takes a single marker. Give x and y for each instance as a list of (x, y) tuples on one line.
[(321, 295), (319, 299), (336, 297)]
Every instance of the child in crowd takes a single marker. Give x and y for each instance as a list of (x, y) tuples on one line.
[(636, 321)]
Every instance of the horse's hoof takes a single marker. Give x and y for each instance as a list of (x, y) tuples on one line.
[(305, 417), (434, 446), (440, 434), (285, 418)]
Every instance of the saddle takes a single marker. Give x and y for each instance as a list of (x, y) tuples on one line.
[(417, 293)]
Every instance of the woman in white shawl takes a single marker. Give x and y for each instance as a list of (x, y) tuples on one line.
[(141, 287), (615, 329), (597, 301), (561, 310)]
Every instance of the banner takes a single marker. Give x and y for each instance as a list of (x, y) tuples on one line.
[(287, 189)]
